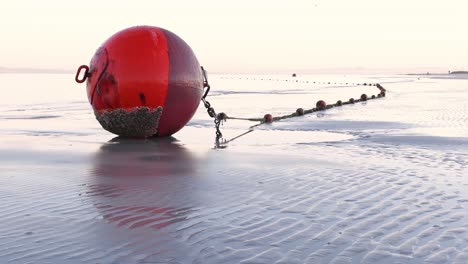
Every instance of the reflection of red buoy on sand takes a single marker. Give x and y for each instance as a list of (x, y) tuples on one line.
[(143, 81)]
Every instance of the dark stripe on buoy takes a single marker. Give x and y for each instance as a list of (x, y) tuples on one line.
[(99, 92), (185, 86)]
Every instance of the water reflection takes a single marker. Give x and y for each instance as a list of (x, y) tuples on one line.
[(136, 157), (143, 183)]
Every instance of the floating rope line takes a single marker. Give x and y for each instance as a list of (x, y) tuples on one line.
[(268, 118), (320, 106)]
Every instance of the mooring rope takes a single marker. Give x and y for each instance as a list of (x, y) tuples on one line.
[(268, 118), (220, 118), (320, 106)]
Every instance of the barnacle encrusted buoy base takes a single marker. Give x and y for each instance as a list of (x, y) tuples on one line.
[(143, 81), (139, 122)]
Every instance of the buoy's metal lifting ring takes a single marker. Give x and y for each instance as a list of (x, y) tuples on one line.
[(85, 75)]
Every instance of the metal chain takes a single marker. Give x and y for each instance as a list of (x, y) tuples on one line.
[(218, 118)]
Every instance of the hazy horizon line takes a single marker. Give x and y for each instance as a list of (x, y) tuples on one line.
[(330, 70)]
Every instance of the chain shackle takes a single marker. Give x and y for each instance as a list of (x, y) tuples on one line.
[(206, 85), (218, 120)]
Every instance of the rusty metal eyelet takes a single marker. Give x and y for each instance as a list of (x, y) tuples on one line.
[(85, 75)]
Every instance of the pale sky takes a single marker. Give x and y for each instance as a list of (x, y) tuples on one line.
[(247, 35)]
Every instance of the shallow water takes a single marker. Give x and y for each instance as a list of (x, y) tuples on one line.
[(383, 181)]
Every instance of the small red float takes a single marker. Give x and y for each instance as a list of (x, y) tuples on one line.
[(143, 81), (268, 118), (321, 105)]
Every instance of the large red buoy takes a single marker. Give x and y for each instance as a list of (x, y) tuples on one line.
[(143, 81)]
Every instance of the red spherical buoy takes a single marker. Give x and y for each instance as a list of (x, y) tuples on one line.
[(321, 105), (144, 81), (268, 118)]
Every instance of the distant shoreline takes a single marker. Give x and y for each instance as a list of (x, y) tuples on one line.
[(438, 73), (457, 75)]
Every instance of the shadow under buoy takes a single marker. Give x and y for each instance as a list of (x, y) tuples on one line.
[(149, 157)]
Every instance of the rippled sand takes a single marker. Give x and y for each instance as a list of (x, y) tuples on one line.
[(384, 181)]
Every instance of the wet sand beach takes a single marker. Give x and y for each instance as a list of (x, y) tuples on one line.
[(383, 181)]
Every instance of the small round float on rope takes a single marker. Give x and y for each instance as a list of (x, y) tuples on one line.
[(339, 103), (300, 111), (143, 81), (267, 118), (222, 116), (373, 96), (363, 97), (351, 100), (321, 105)]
